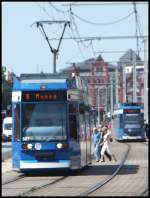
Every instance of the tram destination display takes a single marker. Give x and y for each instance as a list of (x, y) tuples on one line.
[(43, 95), (131, 110)]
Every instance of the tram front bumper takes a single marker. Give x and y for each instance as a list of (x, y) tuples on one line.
[(34, 164)]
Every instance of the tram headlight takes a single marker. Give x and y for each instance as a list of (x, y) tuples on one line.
[(61, 145), (129, 130), (29, 146)]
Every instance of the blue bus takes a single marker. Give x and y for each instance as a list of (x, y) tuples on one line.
[(52, 123), (129, 121)]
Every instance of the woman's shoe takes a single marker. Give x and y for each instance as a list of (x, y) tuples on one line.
[(101, 161), (114, 158)]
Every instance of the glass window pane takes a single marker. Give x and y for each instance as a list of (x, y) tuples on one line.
[(73, 126), (16, 122), (44, 122)]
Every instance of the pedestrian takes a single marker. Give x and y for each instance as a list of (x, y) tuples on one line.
[(146, 128), (96, 141), (106, 144), (102, 136)]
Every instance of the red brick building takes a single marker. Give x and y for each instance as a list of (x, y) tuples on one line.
[(96, 73)]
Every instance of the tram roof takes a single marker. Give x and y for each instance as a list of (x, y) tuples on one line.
[(42, 75), (44, 82)]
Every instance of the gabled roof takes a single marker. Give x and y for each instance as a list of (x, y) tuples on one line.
[(87, 65), (129, 56)]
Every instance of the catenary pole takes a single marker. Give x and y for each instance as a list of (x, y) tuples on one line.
[(145, 84)]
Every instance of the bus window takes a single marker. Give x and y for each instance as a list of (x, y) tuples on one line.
[(73, 126), (16, 122)]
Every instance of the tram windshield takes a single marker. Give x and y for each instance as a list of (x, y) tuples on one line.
[(43, 122), (132, 120)]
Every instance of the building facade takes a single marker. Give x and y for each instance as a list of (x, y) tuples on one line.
[(96, 74), (126, 66)]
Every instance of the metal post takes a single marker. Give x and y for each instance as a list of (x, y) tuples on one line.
[(106, 101), (134, 77), (54, 60), (124, 84), (98, 106), (116, 74), (111, 96), (145, 85)]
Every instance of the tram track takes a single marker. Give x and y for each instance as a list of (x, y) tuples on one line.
[(93, 189), (144, 193), (21, 179), (16, 177), (105, 181), (85, 193), (101, 184), (43, 186), (13, 180)]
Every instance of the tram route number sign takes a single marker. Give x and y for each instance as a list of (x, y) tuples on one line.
[(43, 95)]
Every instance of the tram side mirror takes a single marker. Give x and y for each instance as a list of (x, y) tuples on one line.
[(81, 109)]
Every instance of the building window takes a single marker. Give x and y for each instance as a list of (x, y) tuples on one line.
[(99, 69)]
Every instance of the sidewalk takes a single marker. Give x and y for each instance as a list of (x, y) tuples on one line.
[(7, 165)]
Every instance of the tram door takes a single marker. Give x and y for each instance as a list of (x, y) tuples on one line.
[(74, 137), (16, 143), (83, 135)]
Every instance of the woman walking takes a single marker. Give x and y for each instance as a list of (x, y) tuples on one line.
[(106, 144)]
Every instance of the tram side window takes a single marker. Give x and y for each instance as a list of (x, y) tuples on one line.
[(73, 126), (72, 108), (121, 121), (17, 123)]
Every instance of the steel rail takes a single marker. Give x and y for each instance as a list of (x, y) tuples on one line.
[(13, 180), (145, 192), (40, 187), (34, 188), (101, 183)]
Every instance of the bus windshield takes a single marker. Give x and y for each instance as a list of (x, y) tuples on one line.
[(43, 122), (132, 120)]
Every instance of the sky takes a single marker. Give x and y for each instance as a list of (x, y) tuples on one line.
[(25, 50)]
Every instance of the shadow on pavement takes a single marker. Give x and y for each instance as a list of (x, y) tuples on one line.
[(110, 169), (92, 170)]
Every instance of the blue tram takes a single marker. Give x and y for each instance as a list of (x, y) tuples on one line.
[(51, 123), (129, 121)]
